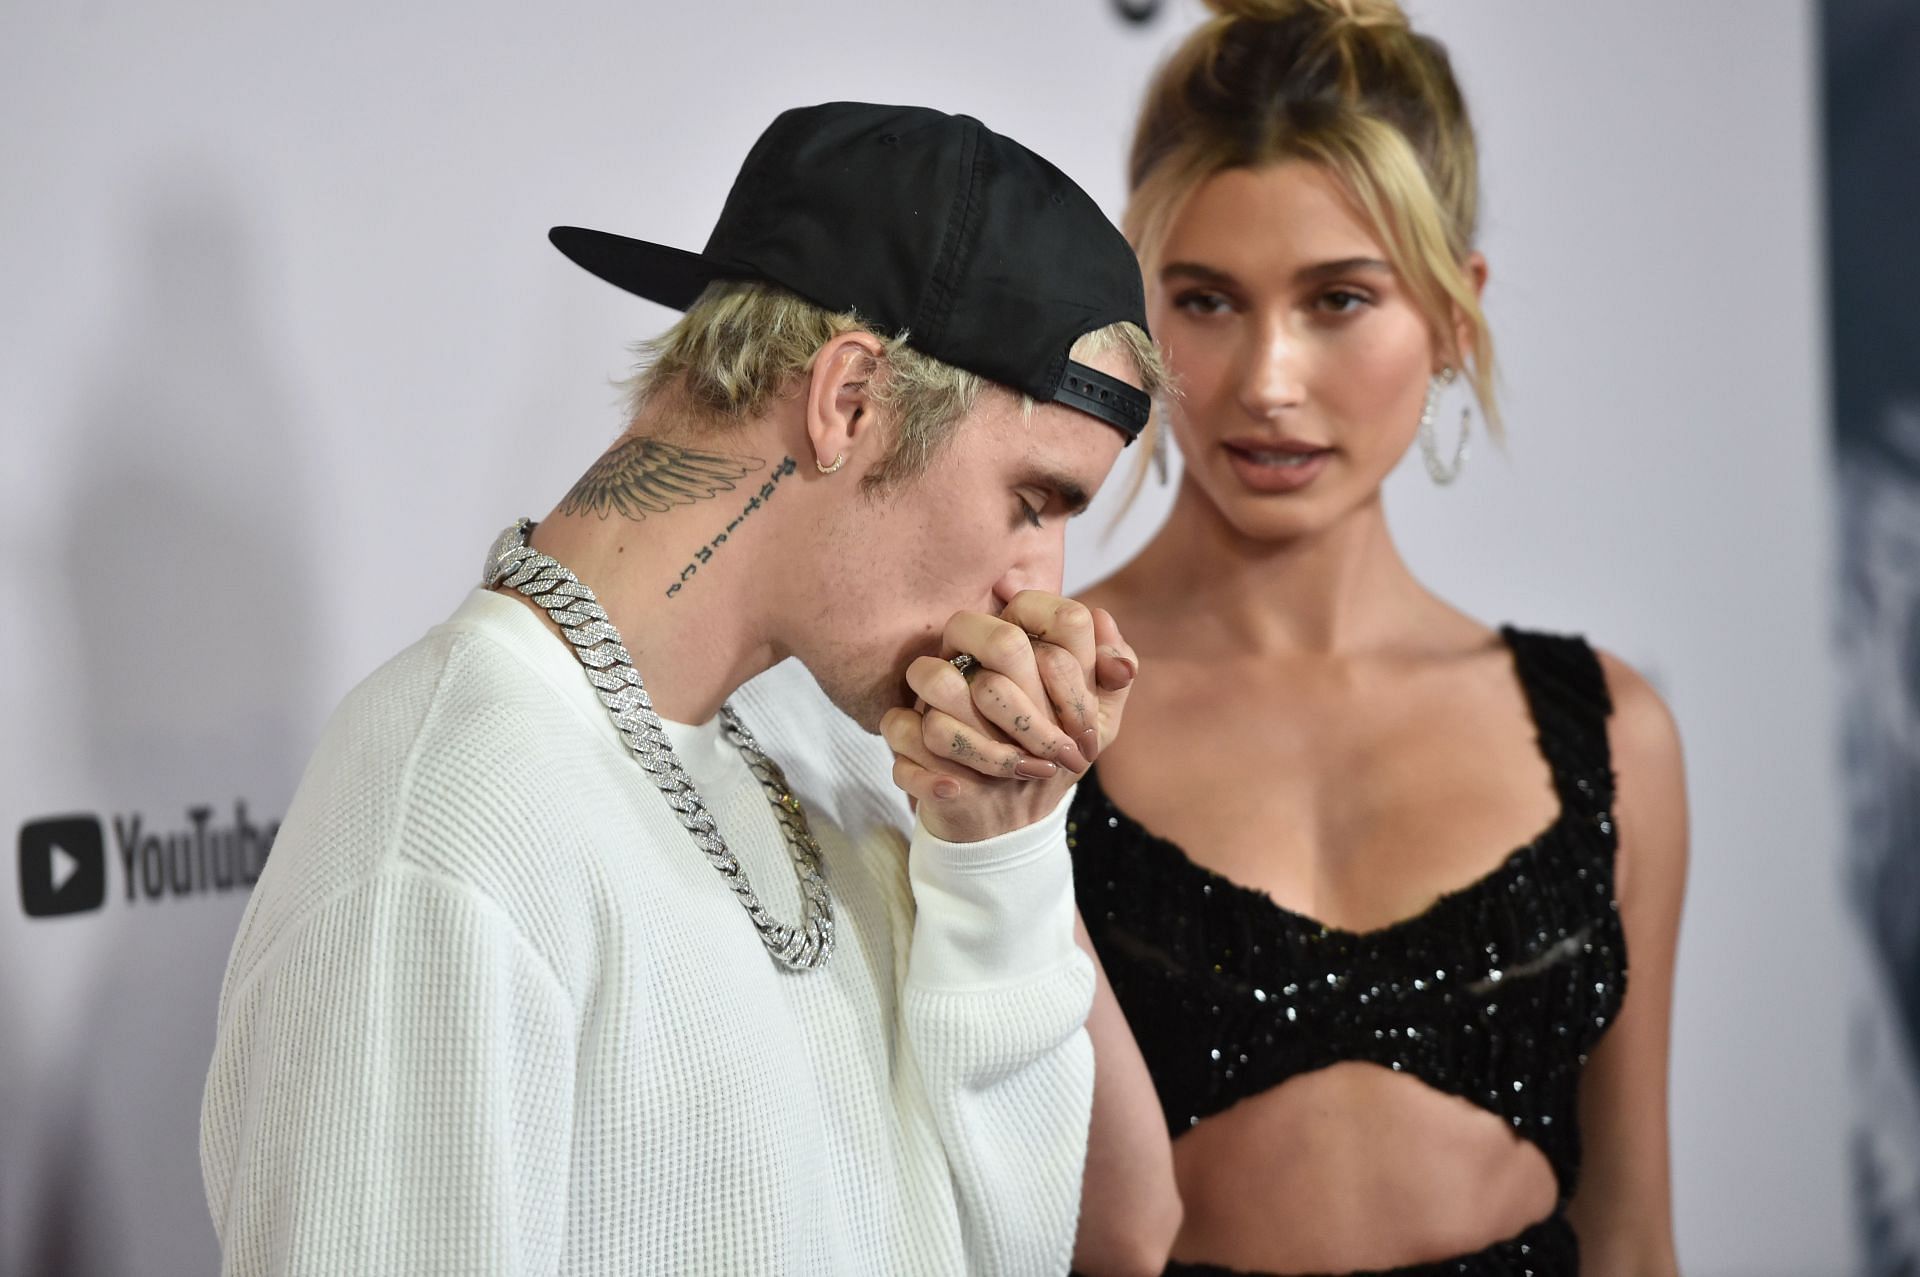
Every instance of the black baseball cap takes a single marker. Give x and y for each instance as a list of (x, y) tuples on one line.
[(988, 257)]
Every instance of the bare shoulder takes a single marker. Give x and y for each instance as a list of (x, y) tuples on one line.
[(1651, 801), (1644, 736)]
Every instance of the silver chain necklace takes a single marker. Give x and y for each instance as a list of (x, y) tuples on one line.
[(547, 584)]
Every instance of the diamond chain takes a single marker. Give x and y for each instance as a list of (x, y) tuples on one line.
[(547, 584)]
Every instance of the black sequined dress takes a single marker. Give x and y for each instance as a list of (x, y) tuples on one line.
[(1496, 993)]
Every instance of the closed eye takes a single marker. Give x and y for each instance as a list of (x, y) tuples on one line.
[(1042, 488)]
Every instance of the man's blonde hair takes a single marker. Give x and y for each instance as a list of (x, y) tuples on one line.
[(740, 346)]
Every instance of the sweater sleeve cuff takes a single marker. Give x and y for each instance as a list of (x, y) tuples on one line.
[(994, 912)]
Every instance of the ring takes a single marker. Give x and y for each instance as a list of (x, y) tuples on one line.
[(966, 663)]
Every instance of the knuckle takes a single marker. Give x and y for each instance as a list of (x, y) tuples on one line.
[(1065, 684), (896, 725), (949, 688), (1007, 645), (959, 625), (1073, 619), (1056, 662), (946, 738), (1029, 598), (936, 681)]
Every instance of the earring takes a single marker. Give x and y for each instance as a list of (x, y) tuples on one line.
[(1160, 429), (838, 461), (1442, 472)]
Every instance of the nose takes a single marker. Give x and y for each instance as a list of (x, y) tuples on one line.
[(1270, 376), (1040, 568)]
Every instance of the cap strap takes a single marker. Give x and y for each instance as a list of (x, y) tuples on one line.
[(1125, 408)]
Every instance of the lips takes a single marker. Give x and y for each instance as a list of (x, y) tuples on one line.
[(1276, 465)]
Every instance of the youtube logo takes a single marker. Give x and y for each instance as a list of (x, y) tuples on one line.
[(63, 866)]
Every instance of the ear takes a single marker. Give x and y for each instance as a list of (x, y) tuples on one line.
[(1462, 330), (839, 403)]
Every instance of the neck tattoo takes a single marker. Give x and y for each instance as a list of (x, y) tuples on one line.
[(706, 552)]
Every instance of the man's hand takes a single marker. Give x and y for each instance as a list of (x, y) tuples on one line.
[(994, 749)]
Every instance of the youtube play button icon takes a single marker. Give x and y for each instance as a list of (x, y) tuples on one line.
[(63, 866)]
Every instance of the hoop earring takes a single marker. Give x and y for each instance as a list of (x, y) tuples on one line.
[(838, 461), (1442, 472)]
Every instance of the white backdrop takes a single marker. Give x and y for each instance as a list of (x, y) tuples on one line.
[(284, 346)]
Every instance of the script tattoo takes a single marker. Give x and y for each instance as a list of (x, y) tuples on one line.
[(643, 476), (758, 499)]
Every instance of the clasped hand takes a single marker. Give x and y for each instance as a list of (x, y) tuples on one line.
[(994, 749)]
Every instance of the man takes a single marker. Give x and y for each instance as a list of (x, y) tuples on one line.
[(553, 970)]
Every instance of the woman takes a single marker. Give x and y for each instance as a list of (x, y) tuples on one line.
[(1381, 1039)]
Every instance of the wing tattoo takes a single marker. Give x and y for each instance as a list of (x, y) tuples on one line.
[(650, 476)]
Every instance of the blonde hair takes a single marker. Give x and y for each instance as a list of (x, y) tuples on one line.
[(739, 347), (1348, 85)]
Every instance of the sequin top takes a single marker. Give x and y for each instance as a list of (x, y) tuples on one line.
[(1496, 993)]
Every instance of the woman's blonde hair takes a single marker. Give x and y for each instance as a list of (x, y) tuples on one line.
[(1346, 84), (740, 346)]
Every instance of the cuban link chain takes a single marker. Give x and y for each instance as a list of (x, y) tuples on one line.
[(546, 583)]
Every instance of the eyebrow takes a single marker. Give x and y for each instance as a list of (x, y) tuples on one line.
[(1305, 275)]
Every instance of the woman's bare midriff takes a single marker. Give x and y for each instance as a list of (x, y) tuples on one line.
[(1350, 1168)]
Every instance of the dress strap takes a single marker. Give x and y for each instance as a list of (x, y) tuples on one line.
[(1567, 693)]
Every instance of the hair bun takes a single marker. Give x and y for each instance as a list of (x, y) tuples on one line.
[(1361, 14)]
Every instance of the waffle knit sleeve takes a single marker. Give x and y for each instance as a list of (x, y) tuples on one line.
[(391, 1091), (995, 1006)]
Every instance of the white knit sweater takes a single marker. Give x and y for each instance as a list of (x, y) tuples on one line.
[(491, 1011)]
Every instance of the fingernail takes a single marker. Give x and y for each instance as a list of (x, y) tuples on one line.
[(946, 788), (1035, 769), (1090, 744), (1113, 671), (1072, 758)]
